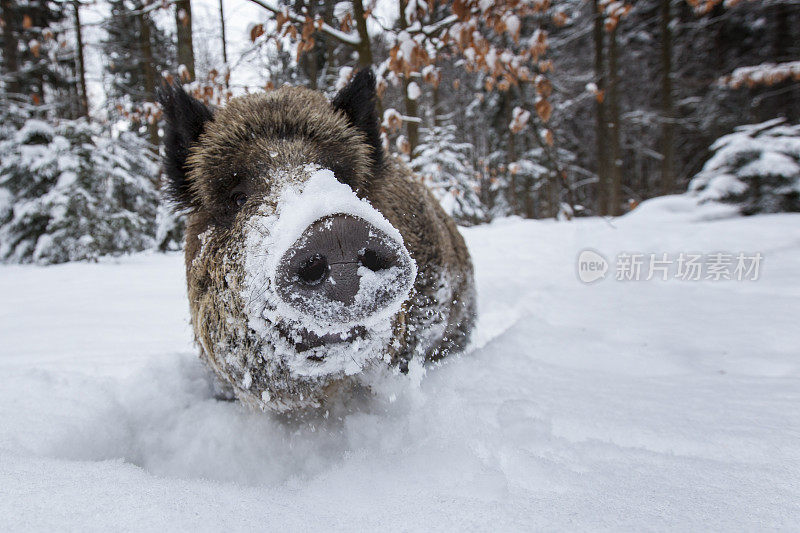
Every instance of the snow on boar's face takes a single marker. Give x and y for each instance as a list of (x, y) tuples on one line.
[(296, 283)]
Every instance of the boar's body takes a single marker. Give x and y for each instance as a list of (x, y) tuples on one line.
[(233, 171)]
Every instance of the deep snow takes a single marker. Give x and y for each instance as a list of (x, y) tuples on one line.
[(643, 405)]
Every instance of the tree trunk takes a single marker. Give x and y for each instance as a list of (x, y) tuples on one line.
[(308, 61), (330, 44), (83, 107), (601, 125), (511, 156), (667, 111), (615, 164), (364, 49), (224, 42), (183, 21), (312, 68), (527, 199), (435, 105), (555, 194), (781, 44), (10, 47), (530, 207), (37, 76), (148, 74), (412, 110), (411, 104)]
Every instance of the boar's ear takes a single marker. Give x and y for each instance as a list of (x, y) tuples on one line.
[(185, 118), (357, 101)]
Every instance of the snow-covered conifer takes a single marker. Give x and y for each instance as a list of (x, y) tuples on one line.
[(446, 167), (756, 167), (75, 193)]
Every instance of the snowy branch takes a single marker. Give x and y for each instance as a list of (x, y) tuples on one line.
[(432, 29), (764, 74)]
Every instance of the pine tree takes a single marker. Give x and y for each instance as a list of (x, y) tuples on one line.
[(757, 168), (445, 166), (74, 193)]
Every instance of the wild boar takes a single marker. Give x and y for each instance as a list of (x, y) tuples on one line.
[(311, 255)]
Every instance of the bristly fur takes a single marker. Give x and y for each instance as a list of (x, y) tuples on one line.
[(185, 117), (357, 100)]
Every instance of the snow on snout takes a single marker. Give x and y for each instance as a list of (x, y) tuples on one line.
[(341, 242), (270, 235)]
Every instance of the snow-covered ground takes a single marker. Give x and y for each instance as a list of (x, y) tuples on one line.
[(638, 405)]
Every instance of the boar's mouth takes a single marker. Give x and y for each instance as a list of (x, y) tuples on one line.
[(304, 340)]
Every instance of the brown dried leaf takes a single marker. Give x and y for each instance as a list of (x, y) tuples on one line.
[(600, 95), (560, 19), (544, 109), (403, 145), (280, 20), (257, 31), (543, 86), (346, 23), (308, 29), (461, 9)]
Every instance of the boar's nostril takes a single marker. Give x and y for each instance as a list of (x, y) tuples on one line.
[(373, 260), (313, 270)]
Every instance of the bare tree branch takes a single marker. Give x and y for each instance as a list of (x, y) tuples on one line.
[(346, 38)]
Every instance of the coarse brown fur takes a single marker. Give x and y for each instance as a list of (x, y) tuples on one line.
[(254, 137)]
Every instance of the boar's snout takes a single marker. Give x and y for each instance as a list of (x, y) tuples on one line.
[(342, 268)]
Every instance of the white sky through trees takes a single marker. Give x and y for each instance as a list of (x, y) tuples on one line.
[(239, 15)]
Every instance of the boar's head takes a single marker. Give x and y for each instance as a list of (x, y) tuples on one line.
[(296, 283)]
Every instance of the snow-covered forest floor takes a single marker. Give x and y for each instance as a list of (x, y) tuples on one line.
[(641, 405)]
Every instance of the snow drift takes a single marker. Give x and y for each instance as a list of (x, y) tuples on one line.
[(640, 405)]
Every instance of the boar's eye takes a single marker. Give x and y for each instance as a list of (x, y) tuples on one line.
[(238, 199)]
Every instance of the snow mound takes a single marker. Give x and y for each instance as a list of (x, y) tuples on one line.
[(680, 207)]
